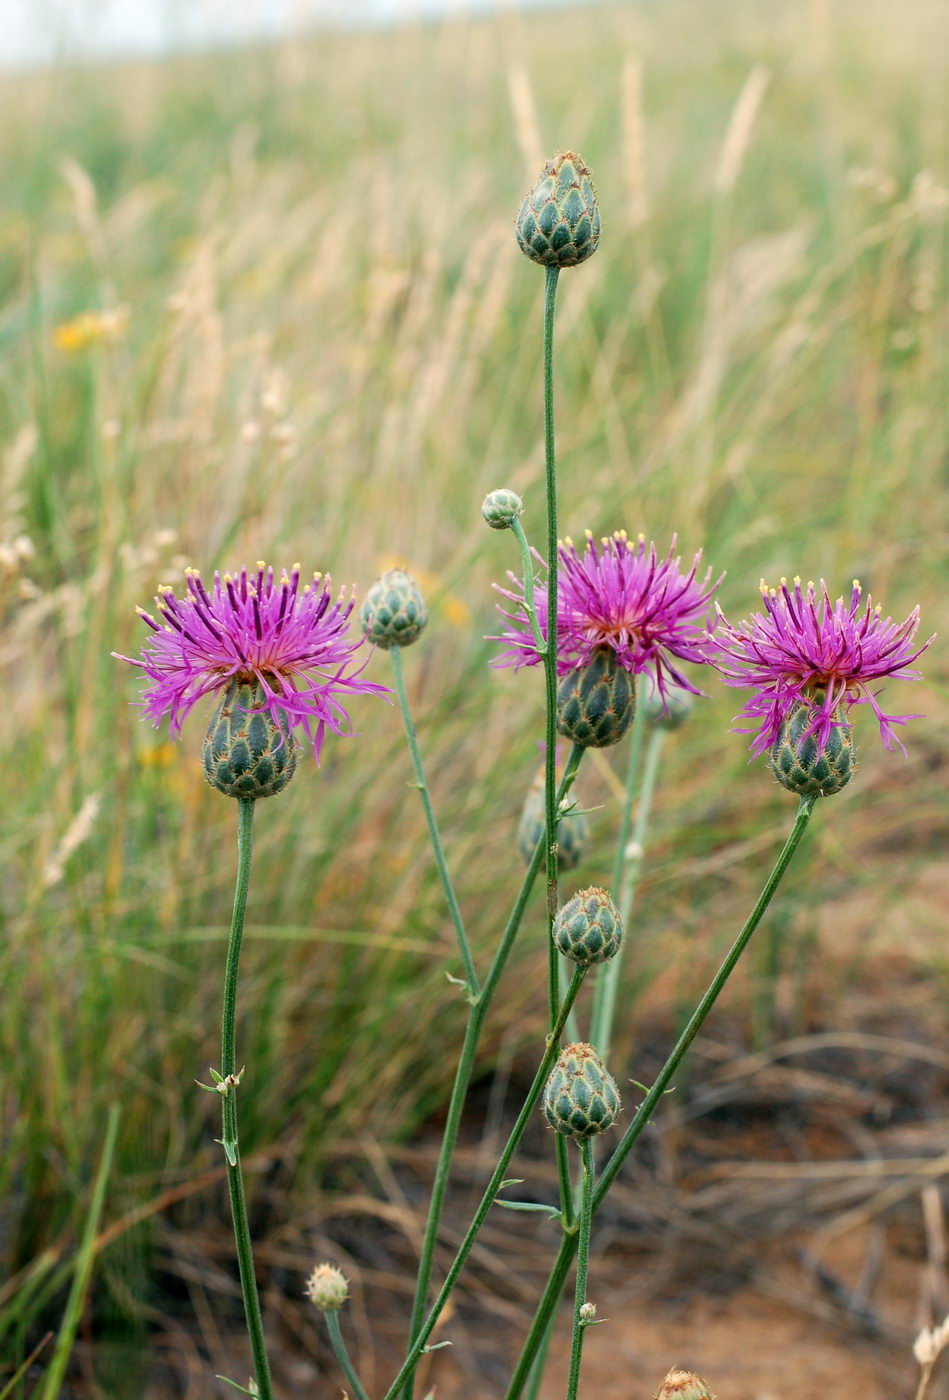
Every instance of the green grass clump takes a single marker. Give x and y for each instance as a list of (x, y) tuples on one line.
[(321, 343)]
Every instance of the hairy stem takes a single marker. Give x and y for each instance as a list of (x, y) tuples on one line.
[(583, 1256), (342, 1355), (476, 1018), (487, 1200), (229, 1140), (568, 1245)]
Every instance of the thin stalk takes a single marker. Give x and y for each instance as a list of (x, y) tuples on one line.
[(342, 1355), (395, 655), (527, 574), (487, 1200), (476, 1017), (624, 890), (568, 1245), (229, 1140), (583, 1256), (550, 678)]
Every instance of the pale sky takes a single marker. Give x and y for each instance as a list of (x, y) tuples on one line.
[(44, 31)]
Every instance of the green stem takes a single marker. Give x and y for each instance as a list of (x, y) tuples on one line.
[(550, 677), (624, 890), (487, 1200), (527, 574), (229, 1140), (395, 655), (568, 1245), (583, 1256), (476, 1018), (342, 1355)]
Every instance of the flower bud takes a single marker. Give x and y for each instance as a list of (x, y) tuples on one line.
[(588, 928), (580, 1096), (676, 710), (247, 752), (683, 1385), (795, 761), (573, 830), (501, 508), (559, 221), (393, 612), (327, 1288), (596, 702)]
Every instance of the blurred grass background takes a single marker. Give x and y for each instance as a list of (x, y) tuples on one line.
[(268, 304)]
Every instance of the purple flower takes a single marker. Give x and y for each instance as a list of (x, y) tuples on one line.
[(805, 649), (253, 628), (617, 594)]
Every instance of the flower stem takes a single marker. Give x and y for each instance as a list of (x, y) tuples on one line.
[(583, 1255), (625, 877), (568, 1245), (342, 1355), (471, 975), (235, 1182), (550, 677), (487, 1200), (476, 1018)]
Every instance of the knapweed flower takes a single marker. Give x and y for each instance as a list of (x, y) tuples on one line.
[(616, 594), (805, 650), (255, 630)]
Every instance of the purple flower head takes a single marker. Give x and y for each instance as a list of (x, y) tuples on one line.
[(805, 649), (292, 642), (618, 594)]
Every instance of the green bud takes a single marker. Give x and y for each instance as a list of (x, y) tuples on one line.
[(683, 1385), (596, 703), (677, 710), (559, 221), (573, 830), (327, 1288), (501, 508), (580, 1096), (246, 752), (588, 928), (393, 612), (795, 762)]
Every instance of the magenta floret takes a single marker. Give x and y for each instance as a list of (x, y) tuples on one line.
[(805, 649), (294, 642), (617, 593)]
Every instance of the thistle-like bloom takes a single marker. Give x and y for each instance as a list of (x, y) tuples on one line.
[(255, 629), (617, 594), (804, 649)]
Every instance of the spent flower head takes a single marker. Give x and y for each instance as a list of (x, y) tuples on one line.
[(805, 650), (616, 593), (254, 629)]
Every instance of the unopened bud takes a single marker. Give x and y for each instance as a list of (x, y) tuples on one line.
[(573, 830), (327, 1288), (501, 508), (588, 928), (393, 612), (580, 1096), (559, 221), (683, 1385)]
